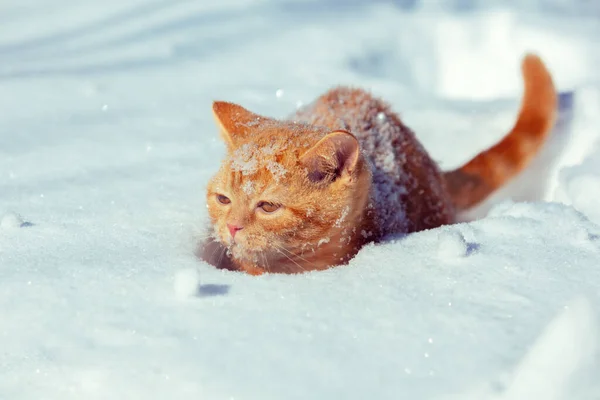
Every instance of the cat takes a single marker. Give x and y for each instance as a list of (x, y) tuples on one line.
[(307, 193)]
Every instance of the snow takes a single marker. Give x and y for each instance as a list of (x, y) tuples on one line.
[(11, 221), (564, 346), (187, 282), (451, 244), (107, 141), (580, 185)]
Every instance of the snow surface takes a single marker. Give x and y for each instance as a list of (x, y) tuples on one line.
[(107, 142)]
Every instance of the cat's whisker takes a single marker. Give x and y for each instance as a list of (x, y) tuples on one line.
[(223, 251), (267, 266), (297, 256), (207, 250), (217, 247), (287, 253), (289, 258)]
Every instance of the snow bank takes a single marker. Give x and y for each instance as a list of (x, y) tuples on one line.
[(106, 143)]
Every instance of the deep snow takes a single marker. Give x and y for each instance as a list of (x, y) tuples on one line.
[(107, 142)]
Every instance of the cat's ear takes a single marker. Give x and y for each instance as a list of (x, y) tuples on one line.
[(234, 121), (334, 156)]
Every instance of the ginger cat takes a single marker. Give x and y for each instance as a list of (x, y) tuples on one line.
[(307, 193)]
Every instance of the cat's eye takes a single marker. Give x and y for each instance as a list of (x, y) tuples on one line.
[(223, 199), (268, 207)]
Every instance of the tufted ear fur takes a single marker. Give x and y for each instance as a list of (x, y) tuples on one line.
[(333, 157), (234, 121)]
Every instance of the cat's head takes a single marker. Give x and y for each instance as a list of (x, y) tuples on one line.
[(284, 188)]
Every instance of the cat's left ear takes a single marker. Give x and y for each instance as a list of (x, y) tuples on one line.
[(334, 156), (234, 121)]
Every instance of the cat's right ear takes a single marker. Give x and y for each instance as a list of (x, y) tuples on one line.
[(234, 121)]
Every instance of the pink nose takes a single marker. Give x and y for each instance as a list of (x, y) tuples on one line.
[(233, 229)]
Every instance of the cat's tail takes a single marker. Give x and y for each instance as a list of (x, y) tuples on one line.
[(489, 170)]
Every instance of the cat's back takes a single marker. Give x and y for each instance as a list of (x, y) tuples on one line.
[(408, 190), (368, 118), (346, 108)]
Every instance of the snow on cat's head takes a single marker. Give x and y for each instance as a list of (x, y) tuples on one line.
[(282, 188)]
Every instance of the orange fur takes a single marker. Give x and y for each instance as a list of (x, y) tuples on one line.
[(307, 193), (488, 171)]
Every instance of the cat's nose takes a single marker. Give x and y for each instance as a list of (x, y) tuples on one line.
[(233, 229)]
